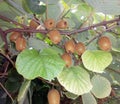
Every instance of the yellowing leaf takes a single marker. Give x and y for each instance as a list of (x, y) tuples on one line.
[(76, 80), (97, 60)]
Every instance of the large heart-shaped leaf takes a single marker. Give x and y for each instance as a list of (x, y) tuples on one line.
[(88, 98), (46, 64), (96, 60), (101, 86), (76, 80)]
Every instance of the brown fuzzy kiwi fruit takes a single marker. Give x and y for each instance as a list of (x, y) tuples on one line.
[(67, 58), (55, 36), (62, 24), (80, 48), (14, 36), (53, 97), (20, 44), (104, 43), (70, 46), (33, 24), (49, 24)]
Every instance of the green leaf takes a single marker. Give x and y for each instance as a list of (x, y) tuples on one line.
[(46, 64), (76, 80), (36, 43), (71, 95), (88, 98), (106, 6), (96, 60), (101, 86), (23, 91), (116, 77), (34, 6), (40, 36), (8, 10)]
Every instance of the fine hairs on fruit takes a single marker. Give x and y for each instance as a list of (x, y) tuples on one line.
[(80, 48), (55, 36), (62, 24), (67, 58), (70, 46), (20, 44), (14, 35), (49, 23), (33, 24), (104, 43), (53, 96)]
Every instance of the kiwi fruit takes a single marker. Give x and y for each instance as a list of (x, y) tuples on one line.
[(70, 46), (62, 24), (20, 44), (33, 24), (53, 96), (49, 24), (67, 58), (80, 48), (104, 43), (14, 36), (55, 36)]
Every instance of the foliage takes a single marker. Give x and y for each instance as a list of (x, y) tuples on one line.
[(26, 76)]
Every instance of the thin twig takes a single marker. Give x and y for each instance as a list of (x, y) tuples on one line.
[(7, 57), (46, 9), (6, 92), (4, 38), (26, 30), (86, 20), (12, 21), (116, 71), (3, 74), (6, 64), (99, 34)]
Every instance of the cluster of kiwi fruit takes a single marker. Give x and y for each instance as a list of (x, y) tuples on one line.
[(53, 34), (79, 48), (19, 40), (71, 47)]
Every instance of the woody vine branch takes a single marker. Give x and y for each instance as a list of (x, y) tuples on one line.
[(27, 29)]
